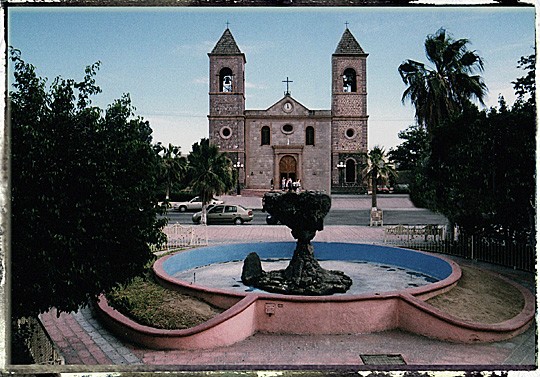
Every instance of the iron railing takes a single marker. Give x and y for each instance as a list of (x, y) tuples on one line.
[(38, 342), (179, 236), (434, 238)]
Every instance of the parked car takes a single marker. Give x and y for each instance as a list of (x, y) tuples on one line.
[(230, 213), (384, 190), (194, 204)]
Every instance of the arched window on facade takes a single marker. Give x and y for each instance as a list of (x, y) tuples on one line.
[(265, 135), (310, 135), (350, 171), (349, 80), (225, 80)]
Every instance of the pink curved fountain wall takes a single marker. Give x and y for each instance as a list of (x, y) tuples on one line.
[(248, 313)]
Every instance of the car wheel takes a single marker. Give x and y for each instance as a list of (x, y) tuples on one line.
[(182, 209), (238, 221)]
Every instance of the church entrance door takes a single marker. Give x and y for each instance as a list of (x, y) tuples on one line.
[(287, 168)]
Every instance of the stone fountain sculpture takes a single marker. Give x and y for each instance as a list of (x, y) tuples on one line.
[(304, 214)]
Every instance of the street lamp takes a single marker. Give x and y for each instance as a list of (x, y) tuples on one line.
[(341, 165), (238, 165)]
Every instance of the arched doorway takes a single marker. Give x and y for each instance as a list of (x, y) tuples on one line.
[(350, 171), (287, 168)]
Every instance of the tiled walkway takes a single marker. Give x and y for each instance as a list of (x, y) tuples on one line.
[(83, 341), (275, 233), (340, 202)]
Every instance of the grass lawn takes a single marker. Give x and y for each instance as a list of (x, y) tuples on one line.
[(148, 303)]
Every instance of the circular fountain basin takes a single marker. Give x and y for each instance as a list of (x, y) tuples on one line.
[(373, 269), (375, 309)]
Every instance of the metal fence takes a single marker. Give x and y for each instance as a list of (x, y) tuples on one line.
[(414, 233), (38, 342), (434, 238), (179, 236)]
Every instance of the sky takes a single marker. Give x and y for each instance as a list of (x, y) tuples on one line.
[(159, 55)]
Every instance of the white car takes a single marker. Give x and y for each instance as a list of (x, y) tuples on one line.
[(194, 204), (232, 214)]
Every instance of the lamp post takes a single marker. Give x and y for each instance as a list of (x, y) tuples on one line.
[(238, 165), (340, 166)]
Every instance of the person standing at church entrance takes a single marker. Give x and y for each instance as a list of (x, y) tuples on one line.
[(289, 184)]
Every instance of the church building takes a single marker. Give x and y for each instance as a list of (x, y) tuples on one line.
[(320, 148)]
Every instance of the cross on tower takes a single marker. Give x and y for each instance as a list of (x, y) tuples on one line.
[(346, 24), (227, 24), (287, 81)]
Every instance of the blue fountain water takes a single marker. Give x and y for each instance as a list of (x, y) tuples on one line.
[(387, 260)]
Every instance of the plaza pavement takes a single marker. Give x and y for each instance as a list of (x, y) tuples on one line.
[(340, 202), (83, 341)]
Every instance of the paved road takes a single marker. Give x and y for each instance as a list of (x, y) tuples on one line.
[(346, 210), (341, 217)]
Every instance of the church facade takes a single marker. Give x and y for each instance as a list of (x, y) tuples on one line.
[(319, 148)]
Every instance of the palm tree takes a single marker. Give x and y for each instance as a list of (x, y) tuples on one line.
[(173, 165), (210, 172), (377, 168), (438, 92)]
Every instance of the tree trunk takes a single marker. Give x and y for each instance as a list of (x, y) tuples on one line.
[(374, 189)]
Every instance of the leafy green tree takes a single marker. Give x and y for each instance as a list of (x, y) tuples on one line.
[(525, 86), (83, 192), (412, 150), (377, 169), (210, 172), (173, 166), (484, 172), (445, 89), (412, 156)]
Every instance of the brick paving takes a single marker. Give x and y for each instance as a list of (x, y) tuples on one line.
[(276, 233), (393, 202), (83, 341)]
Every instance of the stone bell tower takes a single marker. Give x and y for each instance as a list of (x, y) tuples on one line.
[(349, 110), (227, 97)]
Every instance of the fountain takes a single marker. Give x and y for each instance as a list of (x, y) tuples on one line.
[(303, 213)]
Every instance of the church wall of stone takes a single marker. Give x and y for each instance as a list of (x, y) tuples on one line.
[(342, 142), (259, 158), (349, 104), (262, 161), (232, 142), (227, 104), (317, 161)]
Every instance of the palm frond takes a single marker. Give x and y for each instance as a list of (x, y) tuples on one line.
[(438, 93)]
